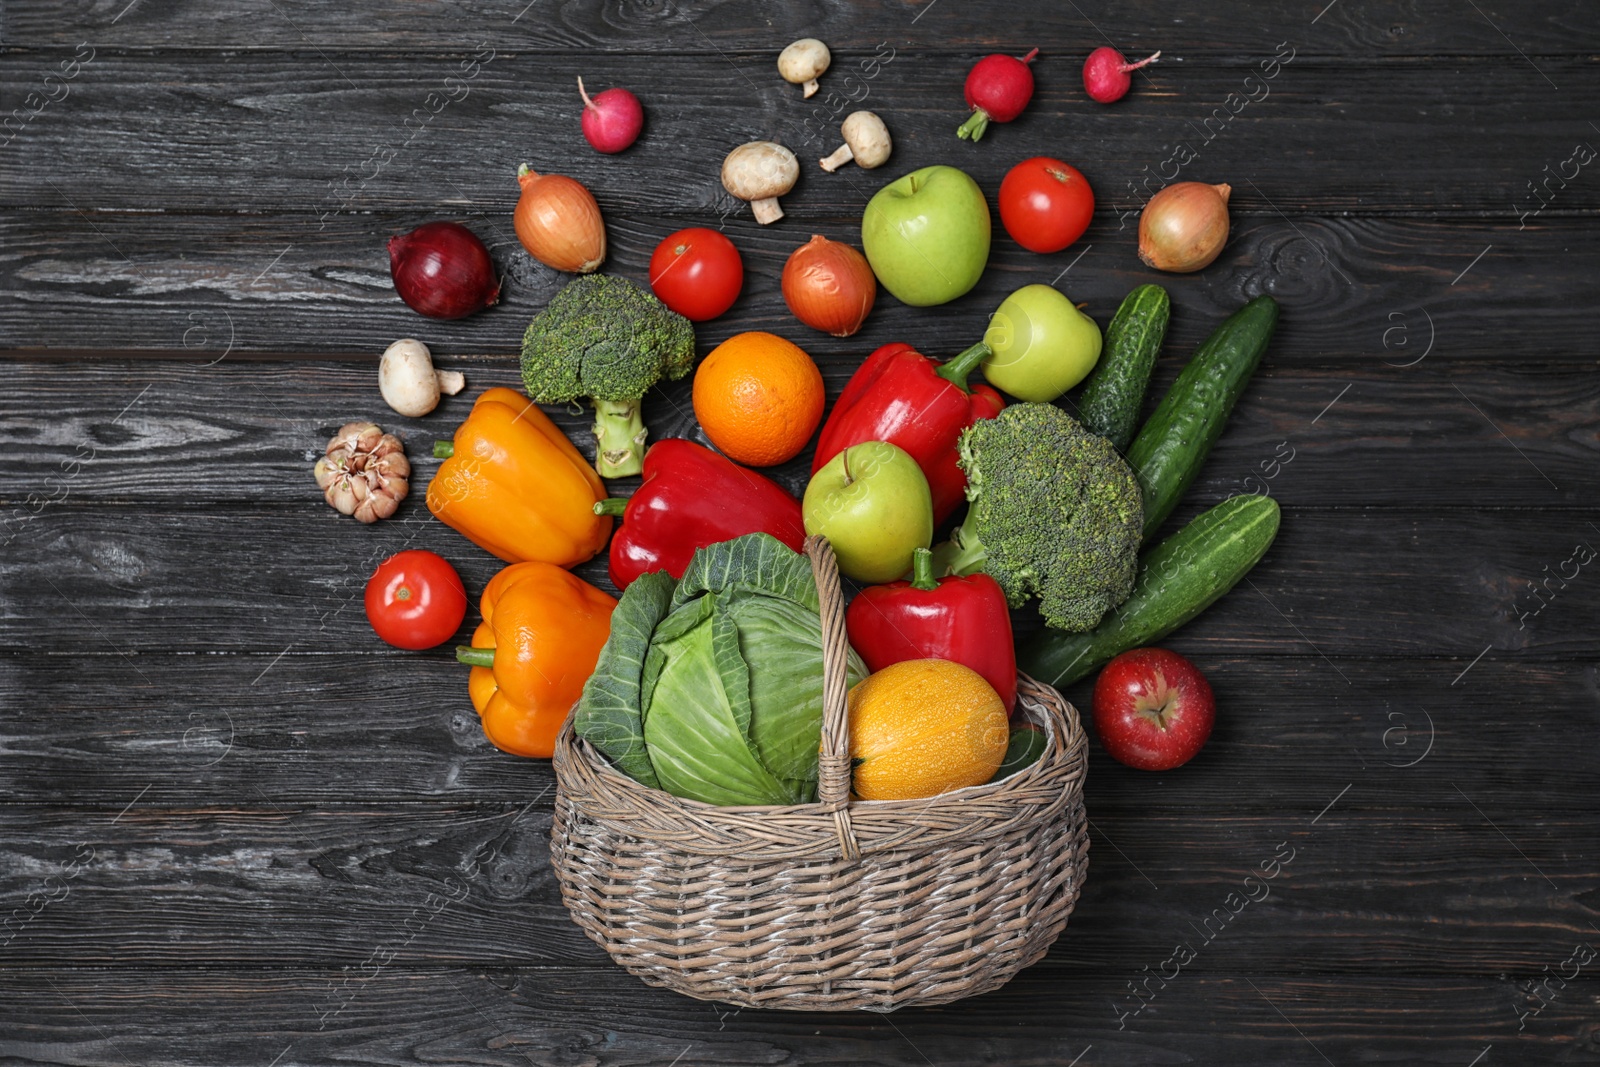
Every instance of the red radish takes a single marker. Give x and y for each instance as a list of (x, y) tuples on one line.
[(998, 88), (612, 120), (1105, 74)]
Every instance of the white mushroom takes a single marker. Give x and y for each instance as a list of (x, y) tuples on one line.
[(760, 172), (803, 63), (866, 140), (409, 383)]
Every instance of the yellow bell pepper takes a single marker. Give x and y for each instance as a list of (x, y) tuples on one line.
[(541, 635), (513, 484)]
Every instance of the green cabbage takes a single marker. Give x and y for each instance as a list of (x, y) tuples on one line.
[(711, 687)]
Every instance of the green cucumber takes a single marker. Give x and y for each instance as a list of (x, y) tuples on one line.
[(1112, 400), (1170, 448), (1178, 579)]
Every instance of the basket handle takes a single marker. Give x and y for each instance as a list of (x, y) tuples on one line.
[(833, 762)]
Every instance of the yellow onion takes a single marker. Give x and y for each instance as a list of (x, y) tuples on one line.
[(829, 286), (1184, 226), (558, 222)]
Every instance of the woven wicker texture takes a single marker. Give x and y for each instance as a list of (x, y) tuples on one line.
[(870, 905)]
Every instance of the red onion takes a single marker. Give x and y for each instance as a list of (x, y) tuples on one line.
[(442, 270)]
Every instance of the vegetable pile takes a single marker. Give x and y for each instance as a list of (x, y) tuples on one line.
[(705, 678)]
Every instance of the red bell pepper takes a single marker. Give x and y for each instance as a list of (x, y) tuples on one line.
[(903, 397), (962, 619), (692, 497)]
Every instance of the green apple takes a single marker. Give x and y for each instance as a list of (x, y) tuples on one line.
[(872, 502), (927, 235), (1040, 345)]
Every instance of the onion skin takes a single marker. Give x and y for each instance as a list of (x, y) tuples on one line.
[(1184, 226), (443, 271), (559, 223), (829, 286)]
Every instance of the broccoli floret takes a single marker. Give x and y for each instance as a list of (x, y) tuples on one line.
[(1055, 513), (604, 339)]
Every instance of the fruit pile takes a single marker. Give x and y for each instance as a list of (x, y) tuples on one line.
[(704, 679)]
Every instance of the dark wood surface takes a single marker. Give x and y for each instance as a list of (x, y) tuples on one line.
[(236, 829)]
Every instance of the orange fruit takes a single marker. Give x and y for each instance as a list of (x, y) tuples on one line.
[(923, 727), (759, 398)]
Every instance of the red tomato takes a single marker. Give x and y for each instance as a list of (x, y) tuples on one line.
[(415, 600), (1045, 204), (697, 273)]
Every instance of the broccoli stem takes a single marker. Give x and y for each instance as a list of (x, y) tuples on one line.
[(955, 371), (965, 553), (619, 432)]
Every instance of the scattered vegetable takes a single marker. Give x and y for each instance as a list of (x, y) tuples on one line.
[(711, 687), (541, 634), (1045, 204), (605, 339), (1040, 344), (1106, 74), (697, 273), (1184, 226), (1112, 400), (961, 619), (1174, 443), (512, 484), (760, 172), (409, 383), (866, 140), (903, 397), (998, 88), (1055, 514), (1153, 709), (364, 472), (442, 270), (829, 286), (692, 497), (924, 727), (415, 600), (558, 222), (1026, 746), (1178, 579), (803, 62), (758, 397), (612, 120)]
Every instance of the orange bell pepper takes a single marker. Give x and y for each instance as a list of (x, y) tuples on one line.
[(513, 484), (541, 634)]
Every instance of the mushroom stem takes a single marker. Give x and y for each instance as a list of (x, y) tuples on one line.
[(809, 89), (451, 382), (840, 157), (766, 210)]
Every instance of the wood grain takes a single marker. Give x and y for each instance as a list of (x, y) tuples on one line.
[(358, 133)]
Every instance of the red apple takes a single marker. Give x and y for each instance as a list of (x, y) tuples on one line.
[(1153, 709)]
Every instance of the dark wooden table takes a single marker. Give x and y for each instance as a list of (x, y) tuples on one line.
[(236, 829)]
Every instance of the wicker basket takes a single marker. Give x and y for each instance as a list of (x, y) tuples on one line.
[(835, 905)]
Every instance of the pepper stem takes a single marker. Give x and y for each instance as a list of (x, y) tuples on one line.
[(972, 129), (444, 449), (611, 505), (922, 570), (475, 657), (955, 371)]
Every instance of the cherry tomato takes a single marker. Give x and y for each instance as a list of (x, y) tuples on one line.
[(1045, 204), (415, 600), (697, 273)]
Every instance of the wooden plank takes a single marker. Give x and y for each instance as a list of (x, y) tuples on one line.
[(206, 287), (1354, 27), (252, 133), (1397, 877), (1381, 582), (179, 432), (331, 727)]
